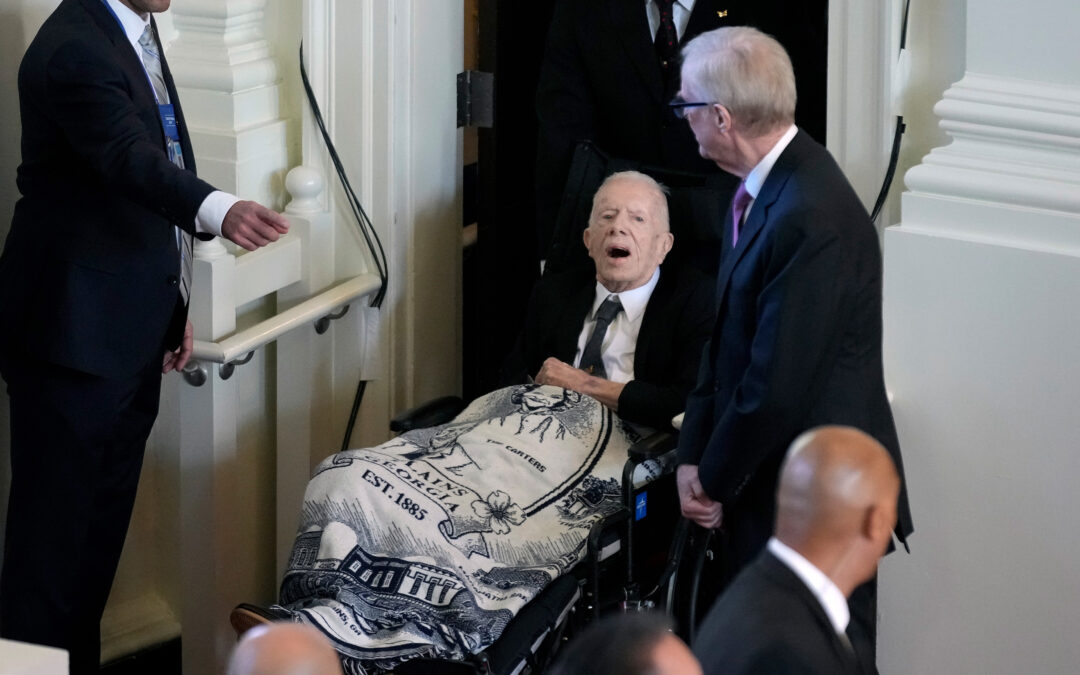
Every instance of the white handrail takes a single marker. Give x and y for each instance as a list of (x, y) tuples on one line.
[(315, 307)]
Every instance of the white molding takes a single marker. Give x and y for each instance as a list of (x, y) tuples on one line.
[(1015, 150), (863, 43)]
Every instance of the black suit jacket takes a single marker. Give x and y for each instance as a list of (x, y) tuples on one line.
[(89, 273), (768, 621), (600, 80), (796, 344), (673, 331)]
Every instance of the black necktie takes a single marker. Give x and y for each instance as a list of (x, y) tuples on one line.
[(591, 360), (666, 42)]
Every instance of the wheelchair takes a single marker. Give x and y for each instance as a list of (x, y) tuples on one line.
[(640, 556)]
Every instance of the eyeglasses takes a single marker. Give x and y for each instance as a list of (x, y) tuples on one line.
[(680, 107)]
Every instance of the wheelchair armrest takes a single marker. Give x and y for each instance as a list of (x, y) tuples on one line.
[(652, 446), (433, 413)]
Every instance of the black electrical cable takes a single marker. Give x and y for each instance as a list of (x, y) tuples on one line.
[(367, 230), (363, 223), (898, 135)]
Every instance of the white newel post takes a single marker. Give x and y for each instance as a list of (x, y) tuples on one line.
[(228, 84), (983, 357), (305, 397), (208, 416)]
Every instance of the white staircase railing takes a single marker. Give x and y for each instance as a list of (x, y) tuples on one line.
[(213, 541)]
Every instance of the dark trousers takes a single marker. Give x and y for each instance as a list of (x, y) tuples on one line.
[(77, 443)]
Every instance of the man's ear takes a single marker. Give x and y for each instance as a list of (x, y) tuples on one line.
[(666, 243), (724, 120), (586, 236), (876, 525)]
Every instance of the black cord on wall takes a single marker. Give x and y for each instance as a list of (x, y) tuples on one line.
[(898, 135), (363, 225)]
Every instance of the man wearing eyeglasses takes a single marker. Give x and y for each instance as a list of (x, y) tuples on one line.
[(797, 340)]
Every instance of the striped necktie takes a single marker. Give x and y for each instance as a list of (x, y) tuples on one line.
[(151, 59)]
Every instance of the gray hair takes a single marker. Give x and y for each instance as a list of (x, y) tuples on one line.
[(659, 193), (748, 72)]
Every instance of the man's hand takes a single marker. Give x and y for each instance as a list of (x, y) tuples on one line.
[(251, 225), (178, 359), (696, 505), (565, 375), (562, 374)]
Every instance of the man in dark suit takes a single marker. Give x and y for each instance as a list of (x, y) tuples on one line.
[(648, 351), (797, 341), (94, 281), (609, 72), (786, 612)]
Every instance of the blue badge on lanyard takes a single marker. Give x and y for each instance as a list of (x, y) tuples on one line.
[(168, 121), (172, 133)]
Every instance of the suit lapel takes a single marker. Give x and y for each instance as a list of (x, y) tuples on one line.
[(631, 25), (174, 98), (651, 322), (124, 52), (709, 14), (759, 213), (780, 574), (576, 311)]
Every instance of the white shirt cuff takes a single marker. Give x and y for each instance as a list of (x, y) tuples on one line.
[(212, 212)]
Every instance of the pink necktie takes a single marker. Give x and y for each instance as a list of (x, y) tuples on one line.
[(739, 203)]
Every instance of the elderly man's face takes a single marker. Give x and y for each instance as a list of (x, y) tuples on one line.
[(626, 237)]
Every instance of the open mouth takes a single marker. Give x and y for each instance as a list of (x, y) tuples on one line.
[(617, 252)]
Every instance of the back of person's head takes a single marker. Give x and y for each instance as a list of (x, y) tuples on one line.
[(836, 502), (627, 644), (284, 649), (746, 71)]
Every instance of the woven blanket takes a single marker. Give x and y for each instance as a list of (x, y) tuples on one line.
[(430, 543)]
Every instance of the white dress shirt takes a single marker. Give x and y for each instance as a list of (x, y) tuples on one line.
[(213, 209), (680, 15), (620, 341), (826, 592), (756, 178)]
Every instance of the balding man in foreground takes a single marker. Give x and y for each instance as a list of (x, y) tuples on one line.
[(284, 649), (787, 612)]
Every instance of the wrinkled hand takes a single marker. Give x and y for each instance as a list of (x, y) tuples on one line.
[(561, 374), (696, 505), (251, 225), (178, 359)]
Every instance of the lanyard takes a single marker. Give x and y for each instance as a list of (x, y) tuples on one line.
[(166, 112)]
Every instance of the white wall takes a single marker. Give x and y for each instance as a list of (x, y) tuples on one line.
[(983, 352)]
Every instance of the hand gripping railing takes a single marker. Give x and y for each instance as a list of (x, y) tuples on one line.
[(293, 264)]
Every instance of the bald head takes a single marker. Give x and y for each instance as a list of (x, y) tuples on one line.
[(836, 503), (284, 649)]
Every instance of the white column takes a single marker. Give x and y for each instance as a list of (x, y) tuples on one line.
[(227, 80), (305, 364), (983, 358), (208, 452)]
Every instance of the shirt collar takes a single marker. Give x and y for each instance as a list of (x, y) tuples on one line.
[(756, 178), (633, 301), (132, 23), (832, 600), (688, 5)]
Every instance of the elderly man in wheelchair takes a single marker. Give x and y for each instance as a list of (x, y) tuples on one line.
[(428, 546)]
